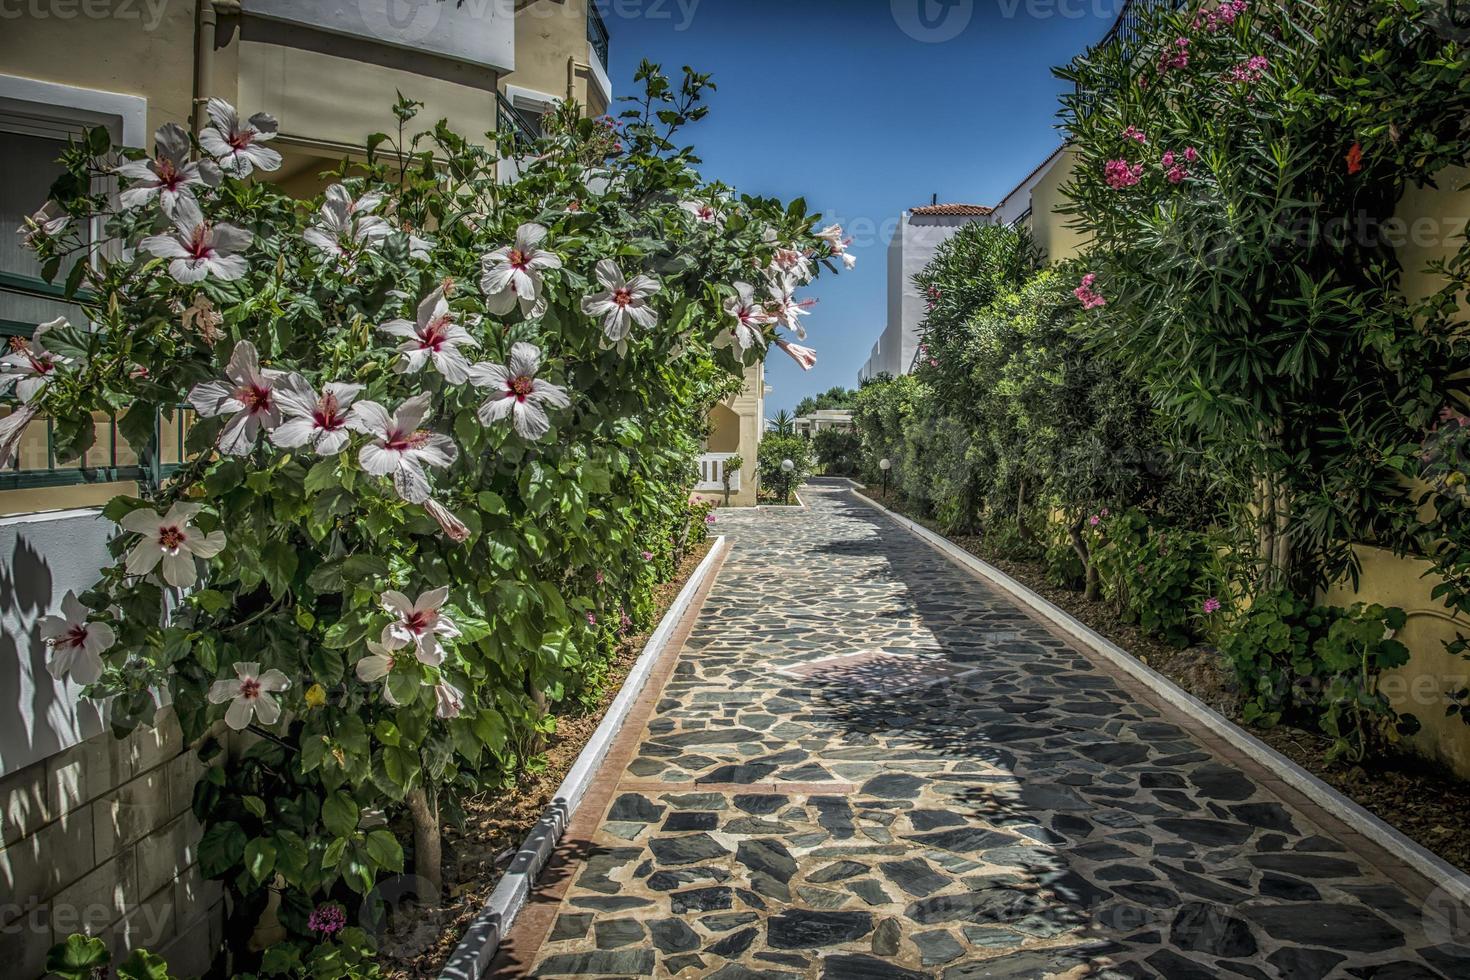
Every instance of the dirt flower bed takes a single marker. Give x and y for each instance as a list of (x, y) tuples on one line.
[(477, 852), (1409, 793)]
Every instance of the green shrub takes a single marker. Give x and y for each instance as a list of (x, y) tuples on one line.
[(838, 451), (774, 449)]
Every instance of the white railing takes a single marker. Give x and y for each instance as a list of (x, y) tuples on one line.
[(712, 473)]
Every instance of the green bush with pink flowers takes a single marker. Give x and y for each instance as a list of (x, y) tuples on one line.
[(443, 437)]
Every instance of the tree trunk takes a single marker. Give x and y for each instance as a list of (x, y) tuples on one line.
[(1021, 528), (428, 855), (1079, 545)]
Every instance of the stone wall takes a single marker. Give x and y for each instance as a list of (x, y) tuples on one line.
[(99, 839)]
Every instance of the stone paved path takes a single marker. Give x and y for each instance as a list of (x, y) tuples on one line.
[(961, 795)]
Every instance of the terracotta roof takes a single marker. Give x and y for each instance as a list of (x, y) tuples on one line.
[(954, 210)]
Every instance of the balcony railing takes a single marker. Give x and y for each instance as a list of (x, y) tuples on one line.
[(109, 460), (514, 121), (1130, 19), (597, 33), (712, 473)]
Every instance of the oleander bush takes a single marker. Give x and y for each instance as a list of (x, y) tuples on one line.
[(1231, 371), (441, 452)]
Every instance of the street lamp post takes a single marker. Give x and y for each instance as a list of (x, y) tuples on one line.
[(786, 467), (885, 464)]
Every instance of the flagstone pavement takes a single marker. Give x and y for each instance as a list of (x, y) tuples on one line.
[(867, 763)]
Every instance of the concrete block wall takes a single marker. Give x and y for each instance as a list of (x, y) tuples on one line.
[(99, 839)]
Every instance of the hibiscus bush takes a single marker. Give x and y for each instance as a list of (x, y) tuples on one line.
[(441, 442)]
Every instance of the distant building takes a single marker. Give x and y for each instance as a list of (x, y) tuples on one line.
[(918, 237), (821, 419)]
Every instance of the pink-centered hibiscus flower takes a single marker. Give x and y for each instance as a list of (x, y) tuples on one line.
[(169, 175), (419, 623), (515, 273), (837, 245), (250, 694), (247, 391), (345, 227), (197, 249), (172, 540), (48, 222), (236, 144), (437, 338), (622, 303), (704, 212), (789, 263), (319, 422), (401, 448), (76, 644), (516, 393), (785, 309), (379, 662), (750, 316), (29, 366)]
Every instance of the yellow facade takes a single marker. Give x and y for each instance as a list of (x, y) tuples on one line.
[(735, 426)]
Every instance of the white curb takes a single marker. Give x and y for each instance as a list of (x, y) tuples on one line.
[(1440, 873), (472, 957)]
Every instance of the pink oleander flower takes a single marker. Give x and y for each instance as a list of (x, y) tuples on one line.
[(1212, 605), (1104, 512), (1090, 298), (591, 619), (1222, 15), (1094, 520), (709, 518), (598, 577), (327, 919), (1175, 55), (1120, 174), (1249, 71), (1190, 154), (1176, 174), (1135, 134), (647, 555), (625, 623)]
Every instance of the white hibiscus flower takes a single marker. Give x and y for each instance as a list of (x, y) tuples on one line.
[(197, 249), (29, 366), (48, 222), (171, 539), (76, 645), (785, 309), (804, 356), (622, 303), (378, 664), (516, 392), (419, 623), (400, 448), (750, 316), (249, 694), (169, 176), (448, 700), (435, 338), (317, 421), (515, 273), (837, 245), (344, 227), (248, 391), (704, 212), (237, 145)]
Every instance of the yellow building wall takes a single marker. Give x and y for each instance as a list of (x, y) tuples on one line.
[(552, 54), (735, 426), (1056, 240)]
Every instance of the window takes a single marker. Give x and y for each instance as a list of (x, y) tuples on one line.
[(37, 119)]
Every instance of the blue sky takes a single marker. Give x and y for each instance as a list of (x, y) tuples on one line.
[(865, 107)]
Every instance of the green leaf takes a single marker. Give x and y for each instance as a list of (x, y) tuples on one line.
[(340, 814), (143, 965), (76, 958), (385, 850), (260, 857), (221, 849)]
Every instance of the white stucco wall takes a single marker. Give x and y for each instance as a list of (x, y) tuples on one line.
[(41, 557)]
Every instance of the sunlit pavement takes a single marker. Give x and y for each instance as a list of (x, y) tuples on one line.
[(868, 764)]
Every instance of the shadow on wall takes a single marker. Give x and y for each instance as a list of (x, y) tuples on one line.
[(41, 557)]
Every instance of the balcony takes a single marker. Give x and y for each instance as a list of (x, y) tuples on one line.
[(597, 35), (712, 473)]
